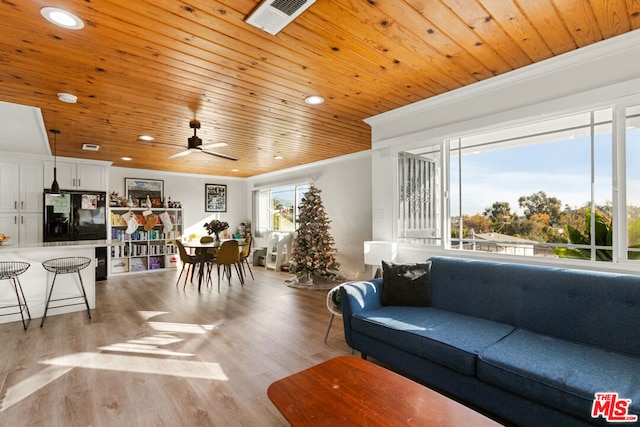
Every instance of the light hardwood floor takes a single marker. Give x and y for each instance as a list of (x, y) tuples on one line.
[(155, 355)]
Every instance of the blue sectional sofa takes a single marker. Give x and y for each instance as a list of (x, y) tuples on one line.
[(528, 344)]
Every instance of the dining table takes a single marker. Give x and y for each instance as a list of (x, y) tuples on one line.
[(200, 248)]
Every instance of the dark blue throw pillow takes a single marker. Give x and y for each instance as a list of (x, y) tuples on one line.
[(406, 284)]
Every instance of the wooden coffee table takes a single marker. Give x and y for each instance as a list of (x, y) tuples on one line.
[(349, 391)]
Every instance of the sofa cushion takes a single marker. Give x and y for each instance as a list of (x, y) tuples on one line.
[(595, 308), (559, 373), (406, 284), (451, 339)]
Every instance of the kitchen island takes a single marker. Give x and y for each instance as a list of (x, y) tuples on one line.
[(36, 281)]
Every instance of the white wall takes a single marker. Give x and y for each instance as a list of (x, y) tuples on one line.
[(189, 190), (345, 183), (589, 77)]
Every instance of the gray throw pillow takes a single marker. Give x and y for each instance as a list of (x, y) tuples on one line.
[(406, 284)]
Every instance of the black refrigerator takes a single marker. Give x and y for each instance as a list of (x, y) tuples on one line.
[(77, 215)]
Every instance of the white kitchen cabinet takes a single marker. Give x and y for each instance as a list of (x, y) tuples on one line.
[(9, 183), (31, 187), (24, 227), (21, 186), (76, 176), (91, 177), (9, 226), (30, 227)]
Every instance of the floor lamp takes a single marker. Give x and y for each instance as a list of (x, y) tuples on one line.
[(376, 251)]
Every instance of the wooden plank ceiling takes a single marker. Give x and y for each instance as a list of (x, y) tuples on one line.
[(150, 66)]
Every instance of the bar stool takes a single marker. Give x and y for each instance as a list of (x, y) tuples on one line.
[(11, 270), (66, 265)]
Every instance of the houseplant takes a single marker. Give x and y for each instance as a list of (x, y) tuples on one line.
[(215, 227)]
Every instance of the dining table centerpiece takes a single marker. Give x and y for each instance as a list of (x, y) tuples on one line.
[(215, 227)]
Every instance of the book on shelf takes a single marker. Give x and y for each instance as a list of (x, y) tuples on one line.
[(138, 264), (156, 263)]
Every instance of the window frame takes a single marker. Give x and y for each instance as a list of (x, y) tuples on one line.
[(299, 189), (618, 184)]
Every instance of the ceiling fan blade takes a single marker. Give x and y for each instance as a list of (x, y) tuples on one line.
[(180, 154), (224, 156), (213, 145), (141, 141)]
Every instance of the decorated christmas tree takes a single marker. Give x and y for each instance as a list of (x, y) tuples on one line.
[(313, 254)]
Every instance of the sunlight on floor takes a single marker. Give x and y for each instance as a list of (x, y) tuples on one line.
[(30, 385), (185, 328), (139, 364), (130, 347), (113, 359)]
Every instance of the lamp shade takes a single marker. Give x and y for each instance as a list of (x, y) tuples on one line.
[(376, 251), (55, 187)]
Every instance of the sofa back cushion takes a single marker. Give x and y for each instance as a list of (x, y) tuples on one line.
[(601, 309), (406, 284)]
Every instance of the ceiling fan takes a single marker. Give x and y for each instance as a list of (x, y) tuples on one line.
[(195, 145)]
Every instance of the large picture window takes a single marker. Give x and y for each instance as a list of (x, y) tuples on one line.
[(542, 189), (276, 208), (633, 181)]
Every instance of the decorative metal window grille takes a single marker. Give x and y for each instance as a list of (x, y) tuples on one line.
[(417, 211)]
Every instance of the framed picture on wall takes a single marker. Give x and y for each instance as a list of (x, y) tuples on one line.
[(215, 198), (140, 188)]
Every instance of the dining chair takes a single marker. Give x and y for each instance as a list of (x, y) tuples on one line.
[(209, 255), (244, 255), (228, 255), (189, 261)]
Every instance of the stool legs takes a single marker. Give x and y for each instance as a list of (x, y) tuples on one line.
[(84, 295), (46, 307), (16, 286), (10, 270), (22, 302)]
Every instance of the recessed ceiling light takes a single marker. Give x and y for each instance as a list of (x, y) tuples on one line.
[(235, 170), (314, 99), (67, 97), (126, 159), (62, 18), (146, 138), (278, 157)]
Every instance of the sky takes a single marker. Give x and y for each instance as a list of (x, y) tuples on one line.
[(561, 169)]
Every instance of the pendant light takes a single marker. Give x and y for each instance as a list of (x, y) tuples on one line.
[(55, 188)]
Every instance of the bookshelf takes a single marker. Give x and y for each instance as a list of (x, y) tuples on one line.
[(143, 249)]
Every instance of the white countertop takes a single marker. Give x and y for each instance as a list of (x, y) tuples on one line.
[(74, 244)]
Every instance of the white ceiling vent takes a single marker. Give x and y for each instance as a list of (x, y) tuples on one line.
[(273, 15), (90, 147)]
